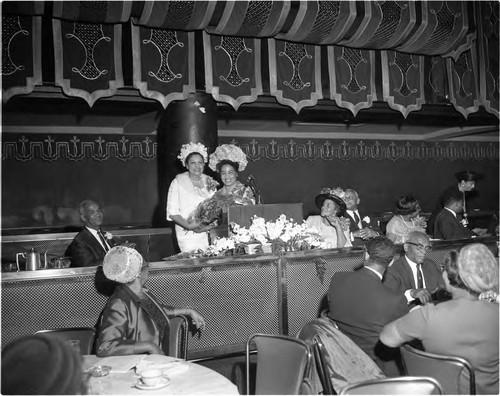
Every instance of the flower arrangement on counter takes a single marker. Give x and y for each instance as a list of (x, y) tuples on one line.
[(279, 236)]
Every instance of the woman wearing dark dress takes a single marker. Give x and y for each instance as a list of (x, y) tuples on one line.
[(134, 321)]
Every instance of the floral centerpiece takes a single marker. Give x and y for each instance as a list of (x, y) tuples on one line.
[(281, 235)]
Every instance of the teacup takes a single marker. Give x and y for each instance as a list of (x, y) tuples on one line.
[(151, 377)]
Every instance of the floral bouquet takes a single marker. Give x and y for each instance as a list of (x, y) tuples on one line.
[(228, 152), (210, 209)]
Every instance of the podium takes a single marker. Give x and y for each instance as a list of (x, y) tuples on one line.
[(242, 215)]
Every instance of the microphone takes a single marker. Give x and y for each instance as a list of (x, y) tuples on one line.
[(250, 181), (253, 186)]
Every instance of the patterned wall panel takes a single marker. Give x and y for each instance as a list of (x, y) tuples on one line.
[(76, 148), (235, 301), (48, 304), (307, 284)]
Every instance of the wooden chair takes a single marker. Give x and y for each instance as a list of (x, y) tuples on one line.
[(455, 374), (395, 386), (176, 344), (282, 364), (85, 335)]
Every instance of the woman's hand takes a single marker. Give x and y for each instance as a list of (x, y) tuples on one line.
[(193, 226), (198, 320), (334, 221)]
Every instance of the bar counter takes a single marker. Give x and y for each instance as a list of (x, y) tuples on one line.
[(237, 295)]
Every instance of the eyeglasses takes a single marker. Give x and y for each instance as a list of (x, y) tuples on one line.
[(420, 246)]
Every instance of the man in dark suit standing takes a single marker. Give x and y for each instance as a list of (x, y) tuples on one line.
[(360, 227), (362, 305), (447, 224), (414, 275), (90, 245), (465, 187)]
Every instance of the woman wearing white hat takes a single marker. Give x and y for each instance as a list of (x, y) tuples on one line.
[(134, 321)]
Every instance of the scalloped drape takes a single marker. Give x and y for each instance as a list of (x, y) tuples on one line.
[(405, 53)]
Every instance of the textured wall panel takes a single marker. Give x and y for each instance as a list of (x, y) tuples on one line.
[(48, 304), (308, 280), (235, 301)]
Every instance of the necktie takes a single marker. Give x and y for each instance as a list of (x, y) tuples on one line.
[(420, 277), (103, 241), (356, 218)]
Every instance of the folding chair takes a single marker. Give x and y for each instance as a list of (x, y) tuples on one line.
[(85, 335), (395, 386), (455, 374), (175, 343), (282, 363)]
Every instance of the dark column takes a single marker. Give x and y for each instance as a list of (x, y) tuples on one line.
[(193, 119)]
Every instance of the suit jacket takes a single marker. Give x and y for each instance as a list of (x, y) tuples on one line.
[(85, 250), (362, 305), (399, 276), (354, 227), (453, 188), (447, 226)]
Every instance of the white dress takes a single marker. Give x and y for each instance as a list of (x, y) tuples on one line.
[(400, 228), (328, 232), (182, 199)]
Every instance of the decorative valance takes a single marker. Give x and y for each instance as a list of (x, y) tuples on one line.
[(405, 53)]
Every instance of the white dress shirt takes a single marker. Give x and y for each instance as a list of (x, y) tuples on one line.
[(351, 213), (94, 233), (413, 267)]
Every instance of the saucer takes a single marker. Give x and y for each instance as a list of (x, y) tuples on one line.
[(164, 381)]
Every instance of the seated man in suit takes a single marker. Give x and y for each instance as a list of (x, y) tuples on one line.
[(361, 305), (360, 227), (447, 225), (90, 245), (413, 274)]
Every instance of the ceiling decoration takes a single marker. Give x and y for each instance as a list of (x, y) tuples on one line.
[(405, 53)]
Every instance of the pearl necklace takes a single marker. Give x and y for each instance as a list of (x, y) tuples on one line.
[(197, 183)]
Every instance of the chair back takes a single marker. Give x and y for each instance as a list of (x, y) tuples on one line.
[(85, 335), (175, 343), (455, 374), (319, 353), (395, 386), (282, 363), (338, 361)]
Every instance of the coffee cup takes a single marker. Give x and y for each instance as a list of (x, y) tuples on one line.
[(151, 377)]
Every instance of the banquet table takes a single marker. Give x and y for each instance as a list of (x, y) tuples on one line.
[(185, 377)]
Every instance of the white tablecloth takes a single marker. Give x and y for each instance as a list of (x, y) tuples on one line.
[(185, 377)]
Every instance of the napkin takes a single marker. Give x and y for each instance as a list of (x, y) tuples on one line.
[(121, 364), (169, 369)]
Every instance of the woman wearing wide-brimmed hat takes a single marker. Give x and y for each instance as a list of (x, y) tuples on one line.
[(333, 228)]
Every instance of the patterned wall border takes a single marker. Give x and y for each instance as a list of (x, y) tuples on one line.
[(85, 147)]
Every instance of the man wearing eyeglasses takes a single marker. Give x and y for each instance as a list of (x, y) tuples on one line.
[(413, 274)]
